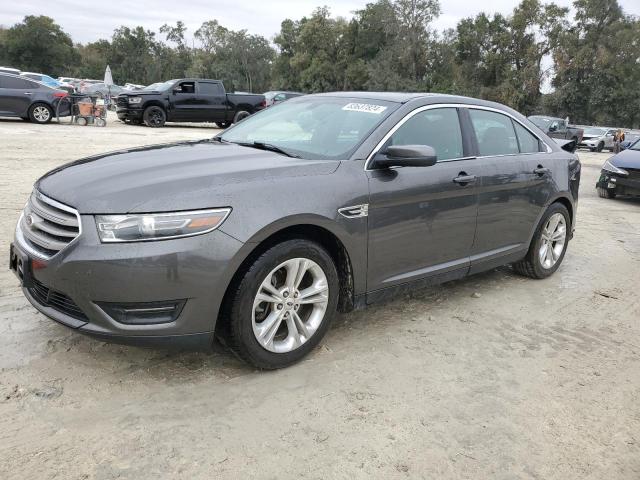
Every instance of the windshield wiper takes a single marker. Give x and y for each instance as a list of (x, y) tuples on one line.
[(267, 146)]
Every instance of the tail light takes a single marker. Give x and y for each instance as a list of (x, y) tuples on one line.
[(60, 94), (263, 103)]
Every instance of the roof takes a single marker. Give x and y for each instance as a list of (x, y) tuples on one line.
[(404, 97)]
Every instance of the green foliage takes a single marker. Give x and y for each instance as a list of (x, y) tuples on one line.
[(592, 60), (38, 44)]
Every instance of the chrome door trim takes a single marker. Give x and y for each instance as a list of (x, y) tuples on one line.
[(453, 105)]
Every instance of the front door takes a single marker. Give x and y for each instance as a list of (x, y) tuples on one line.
[(184, 102), (422, 220)]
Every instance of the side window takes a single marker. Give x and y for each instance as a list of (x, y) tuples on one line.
[(529, 143), (279, 97), (185, 87), (208, 88), (18, 83), (495, 133), (439, 128)]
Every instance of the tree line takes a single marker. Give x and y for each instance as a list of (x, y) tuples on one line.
[(591, 57)]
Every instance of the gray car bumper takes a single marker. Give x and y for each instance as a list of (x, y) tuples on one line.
[(74, 285)]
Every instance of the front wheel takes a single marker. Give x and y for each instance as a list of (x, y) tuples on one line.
[(600, 146), (154, 117), (40, 113), (283, 304), (549, 244), (606, 193)]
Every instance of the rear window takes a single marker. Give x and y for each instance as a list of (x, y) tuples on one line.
[(494, 132), (209, 88)]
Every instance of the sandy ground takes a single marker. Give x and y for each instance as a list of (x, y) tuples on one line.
[(493, 377)]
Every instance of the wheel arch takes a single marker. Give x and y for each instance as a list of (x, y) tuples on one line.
[(314, 232)]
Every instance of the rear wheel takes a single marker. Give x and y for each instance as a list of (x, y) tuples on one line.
[(240, 116), (283, 304), (154, 117), (549, 244), (40, 113), (606, 193)]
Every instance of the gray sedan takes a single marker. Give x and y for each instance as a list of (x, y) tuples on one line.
[(323, 203)]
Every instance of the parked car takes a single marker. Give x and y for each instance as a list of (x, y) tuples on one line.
[(12, 71), (86, 83), (629, 139), (558, 128), (102, 90), (620, 174), (328, 202), (187, 100), (597, 139), (274, 97), (133, 86), (28, 99)]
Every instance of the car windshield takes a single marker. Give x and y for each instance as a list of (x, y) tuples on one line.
[(160, 86), (594, 131), (541, 122), (635, 146), (313, 128)]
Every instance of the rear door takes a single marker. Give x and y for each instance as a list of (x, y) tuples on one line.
[(213, 101), (514, 185), (15, 95), (422, 220)]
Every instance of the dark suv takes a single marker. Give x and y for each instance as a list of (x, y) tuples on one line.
[(27, 99), (321, 203)]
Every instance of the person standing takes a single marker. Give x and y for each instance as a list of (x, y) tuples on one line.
[(618, 138)]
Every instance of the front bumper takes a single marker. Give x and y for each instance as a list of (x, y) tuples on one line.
[(88, 273), (620, 184), (129, 113)]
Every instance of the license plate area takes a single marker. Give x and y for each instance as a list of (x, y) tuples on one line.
[(20, 264)]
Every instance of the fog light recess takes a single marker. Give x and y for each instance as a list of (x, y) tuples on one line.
[(147, 313)]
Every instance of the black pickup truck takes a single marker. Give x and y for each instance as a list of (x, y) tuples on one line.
[(186, 100)]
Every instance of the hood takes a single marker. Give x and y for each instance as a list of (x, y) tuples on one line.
[(626, 159), (170, 177)]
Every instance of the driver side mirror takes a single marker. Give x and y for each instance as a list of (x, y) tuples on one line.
[(406, 156), (553, 127)]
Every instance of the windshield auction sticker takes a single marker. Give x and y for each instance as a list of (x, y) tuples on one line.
[(364, 107)]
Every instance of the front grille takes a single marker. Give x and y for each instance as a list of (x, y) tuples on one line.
[(47, 226), (122, 101), (56, 300), (634, 173)]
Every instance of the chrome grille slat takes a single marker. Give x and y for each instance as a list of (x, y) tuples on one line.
[(47, 226), (51, 213)]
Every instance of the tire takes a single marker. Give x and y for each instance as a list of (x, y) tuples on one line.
[(223, 125), (606, 193), (154, 117), (600, 147), (101, 122), (246, 315), (40, 113), (592, 149), (241, 115), (532, 265), (82, 121)]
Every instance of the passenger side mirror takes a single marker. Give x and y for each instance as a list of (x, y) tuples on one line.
[(553, 127), (406, 156)]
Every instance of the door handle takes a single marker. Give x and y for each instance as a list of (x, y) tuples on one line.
[(540, 170), (27, 93), (463, 179)]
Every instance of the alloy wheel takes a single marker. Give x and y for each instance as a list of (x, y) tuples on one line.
[(41, 114), (290, 305), (554, 236)]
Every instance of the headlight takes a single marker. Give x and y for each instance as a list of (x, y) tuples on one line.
[(612, 168), (158, 226), (135, 99)]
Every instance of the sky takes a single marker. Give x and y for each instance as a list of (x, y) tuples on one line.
[(91, 20)]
